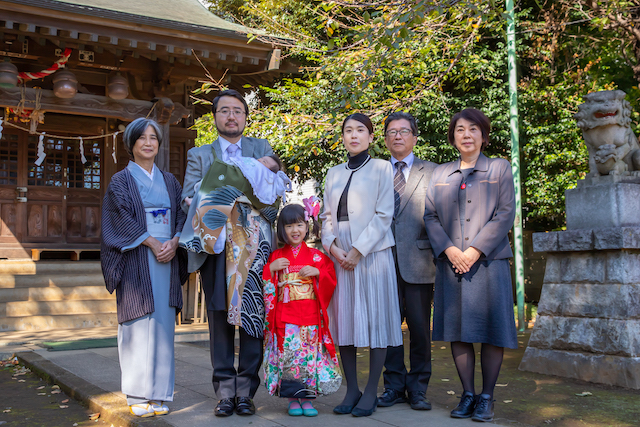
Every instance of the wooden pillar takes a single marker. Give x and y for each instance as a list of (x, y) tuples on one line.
[(162, 113), (162, 160)]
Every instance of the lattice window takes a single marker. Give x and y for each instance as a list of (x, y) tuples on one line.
[(64, 155), (87, 175), (9, 159), (51, 172)]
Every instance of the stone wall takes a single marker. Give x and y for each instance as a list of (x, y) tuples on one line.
[(588, 324)]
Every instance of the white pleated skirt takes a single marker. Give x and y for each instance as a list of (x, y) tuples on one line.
[(364, 310)]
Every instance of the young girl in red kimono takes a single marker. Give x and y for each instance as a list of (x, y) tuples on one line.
[(299, 281)]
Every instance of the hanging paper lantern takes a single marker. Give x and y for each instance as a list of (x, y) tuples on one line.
[(65, 84), (8, 74), (118, 87)]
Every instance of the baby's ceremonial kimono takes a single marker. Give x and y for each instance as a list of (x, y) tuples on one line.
[(225, 197)]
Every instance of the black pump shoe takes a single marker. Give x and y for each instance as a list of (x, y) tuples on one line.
[(466, 406), (345, 409), (357, 412)]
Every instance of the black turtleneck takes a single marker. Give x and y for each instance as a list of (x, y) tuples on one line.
[(353, 163), (358, 160)]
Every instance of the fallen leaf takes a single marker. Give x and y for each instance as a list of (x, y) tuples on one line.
[(64, 406), (502, 385), (55, 387), (40, 388), (42, 394), (65, 401), (21, 381), (584, 394), (451, 392), (445, 379), (75, 424), (6, 411), (95, 416), (507, 401), (55, 392), (443, 348)]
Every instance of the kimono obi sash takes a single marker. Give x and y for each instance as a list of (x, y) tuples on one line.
[(159, 222), (295, 288)]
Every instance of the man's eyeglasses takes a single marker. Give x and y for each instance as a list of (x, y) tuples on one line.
[(227, 111), (403, 132)]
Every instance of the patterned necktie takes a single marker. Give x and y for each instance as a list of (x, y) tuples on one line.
[(398, 186), (232, 149)]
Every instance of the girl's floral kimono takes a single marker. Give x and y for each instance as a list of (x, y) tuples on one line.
[(300, 356)]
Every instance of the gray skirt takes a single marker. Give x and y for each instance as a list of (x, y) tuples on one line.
[(475, 307), (364, 310)]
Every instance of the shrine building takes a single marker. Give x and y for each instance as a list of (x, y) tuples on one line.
[(73, 74)]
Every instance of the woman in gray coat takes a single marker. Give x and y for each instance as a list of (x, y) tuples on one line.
[(469, 212)]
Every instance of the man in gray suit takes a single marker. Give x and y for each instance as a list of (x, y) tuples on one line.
[(234, 387), (414, 266)]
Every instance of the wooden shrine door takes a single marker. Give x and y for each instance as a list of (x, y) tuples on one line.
[(61, 204)]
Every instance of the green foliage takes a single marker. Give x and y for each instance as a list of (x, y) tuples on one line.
[(432, 60)]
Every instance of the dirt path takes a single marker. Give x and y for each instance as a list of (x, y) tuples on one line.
[(28, 401)]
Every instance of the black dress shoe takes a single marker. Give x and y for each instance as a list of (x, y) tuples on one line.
[(245, 406), (357, 412), (484, 409), (466, 406), (418, 401), (345, 409), (224, 408), (390, 397)]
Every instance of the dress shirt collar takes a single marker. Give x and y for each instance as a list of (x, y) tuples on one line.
[(408, 160), (224, 144)]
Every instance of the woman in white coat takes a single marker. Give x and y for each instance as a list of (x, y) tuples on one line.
[(356, 231)]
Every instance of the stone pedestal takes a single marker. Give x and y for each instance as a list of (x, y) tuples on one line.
[(603, 202), (588, 324)]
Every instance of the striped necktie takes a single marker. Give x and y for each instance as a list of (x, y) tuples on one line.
[(398, 186)]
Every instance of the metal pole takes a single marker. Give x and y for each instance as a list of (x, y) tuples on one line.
[(515, 161)]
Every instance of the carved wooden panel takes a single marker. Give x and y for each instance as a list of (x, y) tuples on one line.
[(8, 220), (54, 220), (92, 221), (74, 221), (35, 221)]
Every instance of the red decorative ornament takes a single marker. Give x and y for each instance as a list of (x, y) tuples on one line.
[(463, 186)]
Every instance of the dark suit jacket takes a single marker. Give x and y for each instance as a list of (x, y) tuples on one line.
[(414, 256), (199, 160), (489, 208)]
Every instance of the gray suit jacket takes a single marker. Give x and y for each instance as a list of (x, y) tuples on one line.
[(414, 256), (199, 160)]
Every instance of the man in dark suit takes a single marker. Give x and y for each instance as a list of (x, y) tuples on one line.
[(234, 387), (414, 266)]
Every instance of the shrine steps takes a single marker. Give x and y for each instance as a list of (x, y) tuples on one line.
[(46, 295)]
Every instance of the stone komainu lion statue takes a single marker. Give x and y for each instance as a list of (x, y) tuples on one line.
[(604, 119)]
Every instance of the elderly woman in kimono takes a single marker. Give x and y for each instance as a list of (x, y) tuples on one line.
[(141, 224)]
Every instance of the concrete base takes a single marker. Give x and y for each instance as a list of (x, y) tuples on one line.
[(588, 324), (595, 368)]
